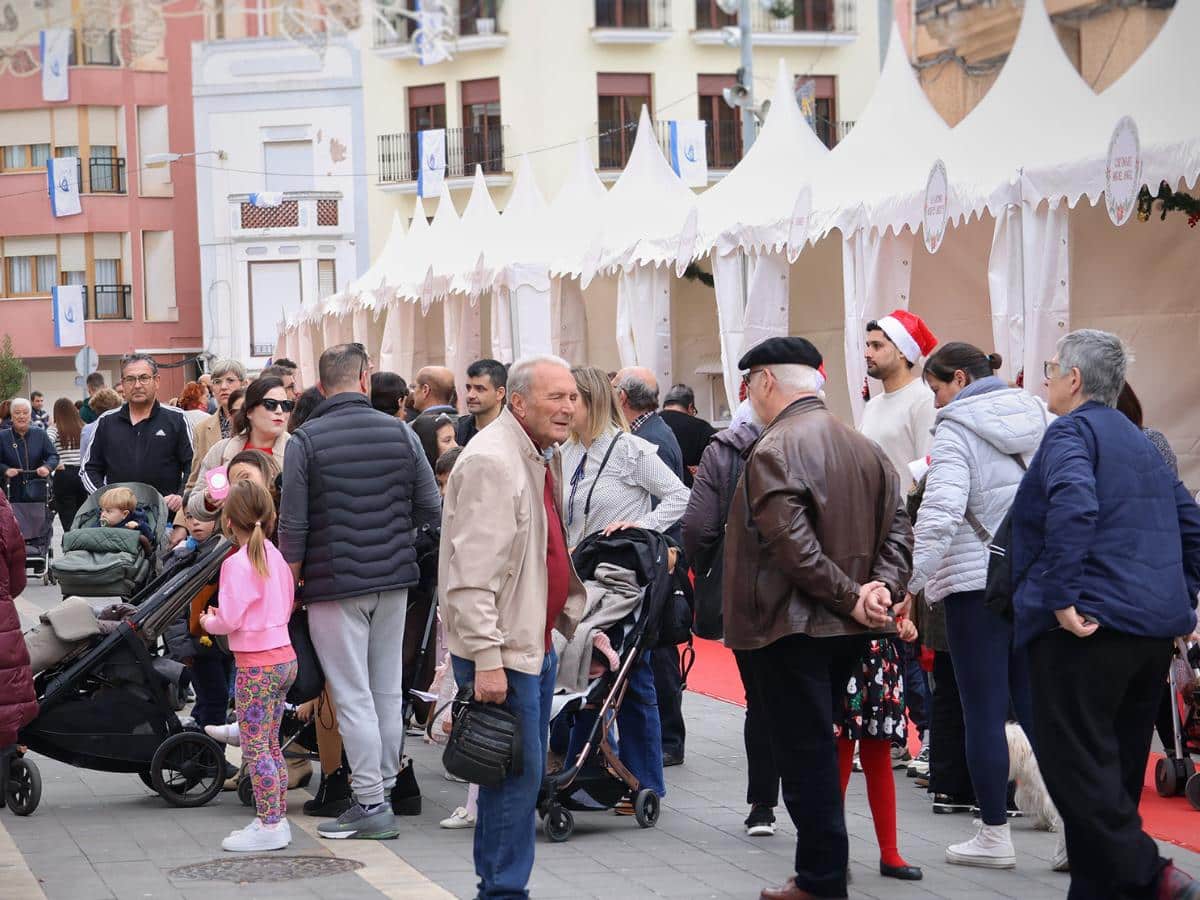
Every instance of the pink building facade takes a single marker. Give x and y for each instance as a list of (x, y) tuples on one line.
[(135, 245)]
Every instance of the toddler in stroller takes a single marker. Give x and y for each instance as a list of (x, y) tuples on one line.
[(629, 585), (113, 562)]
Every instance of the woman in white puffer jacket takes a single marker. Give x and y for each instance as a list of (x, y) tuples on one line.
[(984, 436)]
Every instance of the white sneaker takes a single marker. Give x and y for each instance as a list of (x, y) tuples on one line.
[(1060, 863), (454, 778), (460, 818), (991, 848), (224, 734), (257, 837)]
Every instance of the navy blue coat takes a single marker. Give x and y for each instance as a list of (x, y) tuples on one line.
[(1101, 523), (32, 450)]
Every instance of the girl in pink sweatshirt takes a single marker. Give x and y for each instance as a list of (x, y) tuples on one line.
[(257, 592)]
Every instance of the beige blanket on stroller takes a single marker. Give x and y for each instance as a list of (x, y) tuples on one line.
[(611, 596), (68, 626)]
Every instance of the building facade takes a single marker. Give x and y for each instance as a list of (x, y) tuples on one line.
[(288, 120), (959, 46), (528, 76), (134, 246)]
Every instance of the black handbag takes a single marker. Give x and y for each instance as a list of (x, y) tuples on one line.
[(485, 741), (310, 677)]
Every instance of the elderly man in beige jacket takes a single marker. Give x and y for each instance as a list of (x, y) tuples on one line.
[(505, 581)]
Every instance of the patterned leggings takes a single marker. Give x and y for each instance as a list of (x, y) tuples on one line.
[(258, 695)]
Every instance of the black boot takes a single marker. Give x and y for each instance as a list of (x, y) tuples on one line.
[(333, 796), (406, 795)]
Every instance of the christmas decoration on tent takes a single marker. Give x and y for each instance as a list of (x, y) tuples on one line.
[(1169, 200)]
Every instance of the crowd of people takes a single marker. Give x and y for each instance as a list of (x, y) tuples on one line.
[(851, 571)]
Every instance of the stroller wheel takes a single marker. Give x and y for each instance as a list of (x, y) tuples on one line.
[(559, 824), (188, 769), (1193, 790), (1171, 775), (645, 808), (24, 787), (246, 790)]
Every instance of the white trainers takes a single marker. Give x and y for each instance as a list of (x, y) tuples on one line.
[(991, 848), (257, 837), (460, 818), (1060, 862), (224, 734)]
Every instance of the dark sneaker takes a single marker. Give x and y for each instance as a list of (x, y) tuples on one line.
[(374, 824), (760, 822), (900, 757), (672, 759), (406, 795), (333, 796), (1173, 884), (944, 804), (920, 765)]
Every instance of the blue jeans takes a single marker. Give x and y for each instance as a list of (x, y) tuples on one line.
[(991, 675), (640, 744), (507, 823)]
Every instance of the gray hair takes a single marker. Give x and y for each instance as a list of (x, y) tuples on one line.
[(223, 367), (680, 395), (1101, 359), (641, 396), (520, 373), (797, 377), (131, 358), (342, 364), (20, 403)]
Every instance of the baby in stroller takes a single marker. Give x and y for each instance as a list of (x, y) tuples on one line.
[(119, 509)]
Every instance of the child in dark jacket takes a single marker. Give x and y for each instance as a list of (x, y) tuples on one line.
[(119, 509)]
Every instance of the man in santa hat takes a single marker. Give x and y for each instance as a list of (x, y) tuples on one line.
[(900, 421)]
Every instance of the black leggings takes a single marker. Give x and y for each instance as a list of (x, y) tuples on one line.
[(69, 495)]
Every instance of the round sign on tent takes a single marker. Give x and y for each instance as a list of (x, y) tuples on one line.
[(1123, 171), (87, 361), (936, 211)]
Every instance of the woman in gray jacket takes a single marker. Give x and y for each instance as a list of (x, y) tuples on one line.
[(984, 436)]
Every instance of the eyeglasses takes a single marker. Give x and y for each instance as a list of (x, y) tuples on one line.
[(1052, 365), (746, 378), (137, 379), (271, 404), (443, 419)]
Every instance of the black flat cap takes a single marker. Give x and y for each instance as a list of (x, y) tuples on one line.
[(782, 351)]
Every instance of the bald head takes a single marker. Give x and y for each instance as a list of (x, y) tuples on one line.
[(433, 386), (637, 391)]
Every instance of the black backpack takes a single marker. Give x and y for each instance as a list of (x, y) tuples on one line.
[(998, 588)]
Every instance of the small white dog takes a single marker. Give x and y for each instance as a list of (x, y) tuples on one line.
[(1032, 797)]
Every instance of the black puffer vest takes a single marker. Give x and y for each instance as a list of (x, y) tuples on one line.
[(361, 473)]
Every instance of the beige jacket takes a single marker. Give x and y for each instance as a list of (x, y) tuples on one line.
[(204, 436), (492, 567), (219, 454)]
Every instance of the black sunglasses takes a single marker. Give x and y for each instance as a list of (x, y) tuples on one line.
[(271, 404)]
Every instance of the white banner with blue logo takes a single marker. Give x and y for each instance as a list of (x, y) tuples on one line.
[(62, 172), (431, 162), (689, 156), (68, 315), (266, 199), (55, 44), (432, 33)]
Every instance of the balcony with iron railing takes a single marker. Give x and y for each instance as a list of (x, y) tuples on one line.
[(471, 25), (632, 21), (798, 23), (466, 148), (108, 302), (299, 214)]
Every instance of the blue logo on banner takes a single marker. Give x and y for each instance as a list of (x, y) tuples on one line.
[(65, 185), (69, 314), (690, 153)]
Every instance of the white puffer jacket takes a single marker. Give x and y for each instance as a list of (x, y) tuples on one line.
[(972, 466)]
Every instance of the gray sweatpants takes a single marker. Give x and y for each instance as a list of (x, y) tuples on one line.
[(359, 641)]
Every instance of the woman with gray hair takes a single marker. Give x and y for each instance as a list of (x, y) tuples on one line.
[(1105, 553)]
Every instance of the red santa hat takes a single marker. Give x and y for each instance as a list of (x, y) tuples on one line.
[(909, 333)]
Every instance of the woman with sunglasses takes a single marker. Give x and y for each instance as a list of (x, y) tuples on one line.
[(260, 424), (617, 481)]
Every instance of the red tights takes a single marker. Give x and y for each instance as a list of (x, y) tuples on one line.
[(876, 757)]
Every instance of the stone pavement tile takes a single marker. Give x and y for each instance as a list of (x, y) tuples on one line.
[(140, 879)]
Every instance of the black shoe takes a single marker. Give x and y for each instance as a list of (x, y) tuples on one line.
[(904, 873), (761, 821), (945, 803), (333, 796), (672, 759), (406, 795)]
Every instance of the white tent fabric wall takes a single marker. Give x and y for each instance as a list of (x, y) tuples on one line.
[(752, 305), (459, 246), (568, 320), (529, 317), (502, 330), (309, 336), (398, 347), (574, 221), (729, 286), (1046, 283), (876, 278), (644, 320), (462, 327)]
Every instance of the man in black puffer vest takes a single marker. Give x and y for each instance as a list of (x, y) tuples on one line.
[(356, 485)]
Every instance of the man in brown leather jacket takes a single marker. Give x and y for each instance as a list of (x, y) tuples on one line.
[(816, 547)]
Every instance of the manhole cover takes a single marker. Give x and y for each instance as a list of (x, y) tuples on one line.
[(266, 868)]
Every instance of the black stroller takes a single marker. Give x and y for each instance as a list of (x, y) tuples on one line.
[(596, 780), (36, 521), (108, 706)]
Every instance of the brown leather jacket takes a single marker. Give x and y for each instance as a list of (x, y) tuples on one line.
[(815, 516)]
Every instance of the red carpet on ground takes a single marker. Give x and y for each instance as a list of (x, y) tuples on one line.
[(715, 675)]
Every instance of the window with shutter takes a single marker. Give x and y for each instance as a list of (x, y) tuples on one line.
[(326, 278)]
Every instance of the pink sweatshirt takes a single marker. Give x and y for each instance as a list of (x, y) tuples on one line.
[(254, 611)]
